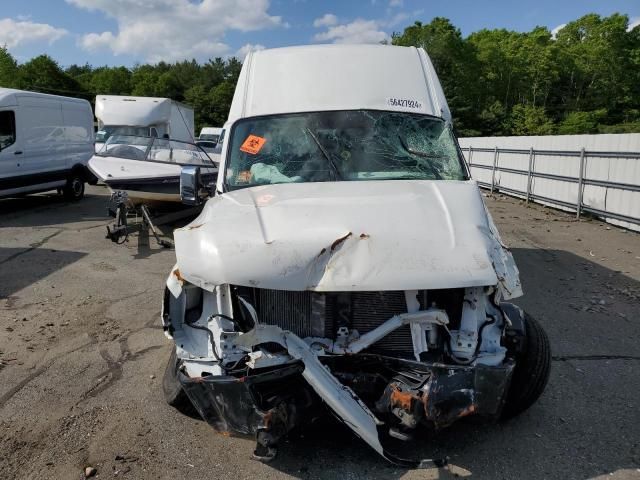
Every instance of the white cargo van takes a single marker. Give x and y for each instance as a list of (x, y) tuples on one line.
[(211, 134), (45, 143), (143, 116), (346, 261)]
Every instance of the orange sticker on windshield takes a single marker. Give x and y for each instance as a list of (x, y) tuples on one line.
[(253, 144)]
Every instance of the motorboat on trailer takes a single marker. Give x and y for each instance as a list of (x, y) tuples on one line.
[(147, 169), (143, 174)]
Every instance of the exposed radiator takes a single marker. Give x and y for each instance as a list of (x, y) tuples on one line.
[(313, 314)]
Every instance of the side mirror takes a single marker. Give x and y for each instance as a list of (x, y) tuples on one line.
[(190, 183)]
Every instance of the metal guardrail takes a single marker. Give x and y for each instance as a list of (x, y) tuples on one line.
[(579, 179)]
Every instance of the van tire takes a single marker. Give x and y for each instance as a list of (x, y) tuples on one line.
[(74, 189), (531, 372), (174, 394)]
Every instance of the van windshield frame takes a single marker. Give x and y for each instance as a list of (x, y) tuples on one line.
[(341, 145)]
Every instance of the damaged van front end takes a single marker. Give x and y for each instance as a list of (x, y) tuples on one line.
[(398, 323), (346, 263)]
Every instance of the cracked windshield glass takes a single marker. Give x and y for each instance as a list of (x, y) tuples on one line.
[(342, 146)]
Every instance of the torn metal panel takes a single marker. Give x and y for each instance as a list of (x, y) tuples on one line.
[(502, 260), (341, 399)]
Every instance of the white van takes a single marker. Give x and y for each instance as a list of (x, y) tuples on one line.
[(346, 261), (45, 143), (211, 134)]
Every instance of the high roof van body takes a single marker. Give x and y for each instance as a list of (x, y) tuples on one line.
[(45, 143)]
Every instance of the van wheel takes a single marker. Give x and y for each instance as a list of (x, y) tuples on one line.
[(174, 395), (74, 189), (532, 370)]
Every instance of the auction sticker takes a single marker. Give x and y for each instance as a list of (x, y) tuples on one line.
[(405, 103), (253, 144)]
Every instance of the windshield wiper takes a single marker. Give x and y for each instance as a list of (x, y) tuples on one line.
[(418, 153), (332, 164)]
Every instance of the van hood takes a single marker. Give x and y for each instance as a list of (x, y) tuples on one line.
[(347, 236)]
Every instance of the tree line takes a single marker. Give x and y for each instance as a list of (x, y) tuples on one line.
[(584, 79), (207, 87)]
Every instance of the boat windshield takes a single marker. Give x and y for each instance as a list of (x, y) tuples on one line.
[(348, 145), (153, 149), (109, 130)]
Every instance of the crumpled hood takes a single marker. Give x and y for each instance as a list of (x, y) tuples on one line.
[(347, 236)]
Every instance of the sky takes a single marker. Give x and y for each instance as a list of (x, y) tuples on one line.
[(126, 32)]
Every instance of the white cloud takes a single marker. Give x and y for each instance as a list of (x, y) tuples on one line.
[(633, 23), (172, 30), (245, 49), (396, 3), (554, 32), (327, 20), (14, 33), (358, 31)]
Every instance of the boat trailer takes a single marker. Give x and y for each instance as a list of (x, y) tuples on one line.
[(130, 219)]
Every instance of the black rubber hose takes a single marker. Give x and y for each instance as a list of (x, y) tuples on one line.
[(211, 339), (210, 333), (480, 332)]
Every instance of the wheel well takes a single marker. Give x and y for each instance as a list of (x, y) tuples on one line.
[(79, 169)]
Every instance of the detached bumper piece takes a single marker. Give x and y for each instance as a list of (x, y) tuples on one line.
[(264, 405), (430, 394), (382, 399)]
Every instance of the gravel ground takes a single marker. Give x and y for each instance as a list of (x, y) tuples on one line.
[(82, 356)]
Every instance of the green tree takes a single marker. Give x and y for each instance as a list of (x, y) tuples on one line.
[(453, 59), (8, 70), (599, 64), (220, 101), (43, 74), (581, 122), (111, 81), (530, 120), (198, 97)]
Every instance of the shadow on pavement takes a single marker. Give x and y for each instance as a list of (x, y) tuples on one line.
[(52, 209), (22, 267)]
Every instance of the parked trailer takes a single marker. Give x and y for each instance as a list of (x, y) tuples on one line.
[(45, 143)]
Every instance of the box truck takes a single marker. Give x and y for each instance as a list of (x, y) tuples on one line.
[(146, 116)]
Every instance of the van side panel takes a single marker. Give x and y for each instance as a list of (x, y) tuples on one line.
[(78, 128), (39, 123)]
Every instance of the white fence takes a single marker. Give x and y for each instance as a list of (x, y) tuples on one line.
[(598, 174)]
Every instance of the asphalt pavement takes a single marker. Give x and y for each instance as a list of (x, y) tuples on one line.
[(82, 355)]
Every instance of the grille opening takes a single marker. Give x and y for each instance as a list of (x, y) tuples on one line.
[(320, 314)]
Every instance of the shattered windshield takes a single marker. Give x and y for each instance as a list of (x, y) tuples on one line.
[(342, 146)]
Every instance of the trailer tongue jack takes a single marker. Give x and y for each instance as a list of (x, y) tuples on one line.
[(143, 221)]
